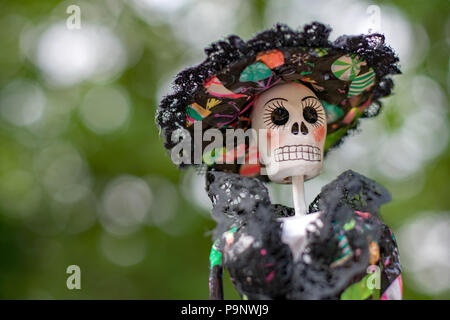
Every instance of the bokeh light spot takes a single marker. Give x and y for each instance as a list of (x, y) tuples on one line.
[(22, 102), (105, 109), (125, 203), (67, 57)]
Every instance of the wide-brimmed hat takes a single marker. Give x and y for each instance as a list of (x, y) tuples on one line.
[(348, 75)]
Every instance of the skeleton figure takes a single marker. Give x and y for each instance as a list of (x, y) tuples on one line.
[(301, 94), (276, 253), (295, 122)]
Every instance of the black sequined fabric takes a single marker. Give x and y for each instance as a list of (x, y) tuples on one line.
[(261, 265)]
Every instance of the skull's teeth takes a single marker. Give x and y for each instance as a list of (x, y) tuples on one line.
[(300, 152)]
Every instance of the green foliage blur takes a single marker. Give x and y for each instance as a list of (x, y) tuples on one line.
[(85, 179)]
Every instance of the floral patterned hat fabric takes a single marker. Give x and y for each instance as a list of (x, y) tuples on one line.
[(348, 75)]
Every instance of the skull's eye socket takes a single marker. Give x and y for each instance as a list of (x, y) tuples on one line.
[(310, 114), (279, 116)]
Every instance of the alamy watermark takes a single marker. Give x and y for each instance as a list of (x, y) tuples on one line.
[(229, 146), (73, 22), (74, 280), (374, 280)]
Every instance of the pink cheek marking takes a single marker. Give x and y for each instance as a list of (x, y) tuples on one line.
[(319, 134), (273, 138), (269, 135)]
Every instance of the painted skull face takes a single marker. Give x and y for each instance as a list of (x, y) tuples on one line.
[(295, 129)]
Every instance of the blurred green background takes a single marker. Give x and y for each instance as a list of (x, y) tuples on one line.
[(84, 177)]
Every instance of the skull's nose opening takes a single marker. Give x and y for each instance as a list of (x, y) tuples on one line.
[(303, 128), (294, 128)]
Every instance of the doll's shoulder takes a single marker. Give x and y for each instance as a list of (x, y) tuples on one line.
[(349, 208), (235, 198), (354, 239), (352, 190)]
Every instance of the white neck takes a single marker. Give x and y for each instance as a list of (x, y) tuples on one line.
[(298, 194)]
